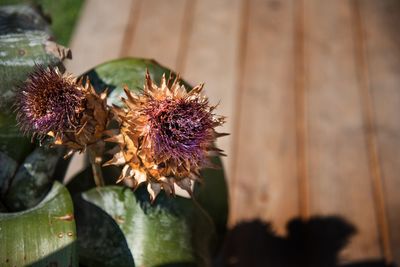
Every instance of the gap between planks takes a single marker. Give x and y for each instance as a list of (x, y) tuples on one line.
[(243, 37), (370, 130), (130, 32), (185, 35), (130, 29), (300, 91)]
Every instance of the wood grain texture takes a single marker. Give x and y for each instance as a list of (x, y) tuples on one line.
[(339, 178), (99, 34), (265, 182), (158, 31), (212, 58), (381, 20), (310, 89)]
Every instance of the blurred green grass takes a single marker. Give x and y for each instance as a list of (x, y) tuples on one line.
[(64, 15)]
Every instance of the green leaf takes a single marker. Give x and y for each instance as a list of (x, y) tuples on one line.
[(12, 142), (44, 235), (115, 74), (212, 195), (33, 179), (117, 227), (9, 167)]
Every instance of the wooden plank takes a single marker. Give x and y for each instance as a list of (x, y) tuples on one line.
[(159, 30), (381, 20), (339, 178), (212, 58), (99, 33), (265, 183)]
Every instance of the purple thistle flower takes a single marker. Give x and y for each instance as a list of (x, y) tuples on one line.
[(181, 128), (166, 136), (49, 101)]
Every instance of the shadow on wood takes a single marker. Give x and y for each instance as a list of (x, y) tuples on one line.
[(313, 242)]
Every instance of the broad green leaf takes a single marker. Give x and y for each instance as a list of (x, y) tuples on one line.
[(130, 72), (12, 142), (117, 227), (33, 178), (44, 235), (7, 170)]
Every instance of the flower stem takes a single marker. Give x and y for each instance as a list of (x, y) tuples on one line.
[(95, 161)]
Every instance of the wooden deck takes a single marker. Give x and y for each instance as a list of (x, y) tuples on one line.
[(311, 89)]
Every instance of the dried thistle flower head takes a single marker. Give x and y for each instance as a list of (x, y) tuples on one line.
[(54, 104), (166, 135), (49, 101)]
